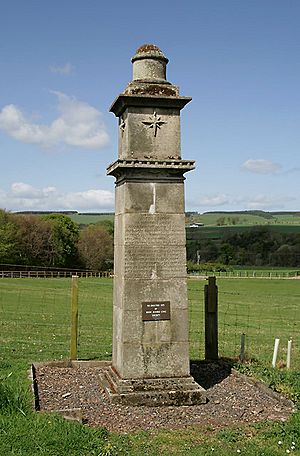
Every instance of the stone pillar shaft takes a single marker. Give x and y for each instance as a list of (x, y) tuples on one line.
[(150, 268)]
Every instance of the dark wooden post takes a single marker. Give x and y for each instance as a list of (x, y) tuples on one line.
[(211, 319)]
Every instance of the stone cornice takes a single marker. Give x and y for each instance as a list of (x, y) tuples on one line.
[(163, 165), (124, 101)]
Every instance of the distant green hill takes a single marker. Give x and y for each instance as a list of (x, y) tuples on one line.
[(244, 218), (284, 221)]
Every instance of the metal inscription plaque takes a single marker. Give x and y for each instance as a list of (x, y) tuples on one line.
[(156, 310)]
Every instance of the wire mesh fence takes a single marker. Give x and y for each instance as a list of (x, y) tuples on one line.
[(260, 309), (35, 318), (95, 319)]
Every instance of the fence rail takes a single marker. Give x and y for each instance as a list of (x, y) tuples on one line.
[(51, 274), (250, 274)]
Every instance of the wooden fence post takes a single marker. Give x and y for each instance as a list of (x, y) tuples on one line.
[(242, 352), (211, 319), (74, 317)]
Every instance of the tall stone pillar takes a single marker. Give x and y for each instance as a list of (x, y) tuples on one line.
[(150, 363)]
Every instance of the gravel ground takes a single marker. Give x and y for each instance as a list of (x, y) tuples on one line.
[(232, 398)]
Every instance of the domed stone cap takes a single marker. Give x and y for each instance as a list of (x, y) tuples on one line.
[(149, 64), (147, 51)]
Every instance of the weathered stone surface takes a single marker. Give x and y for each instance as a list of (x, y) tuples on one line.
[(149, 64), (152, 391), (151, 133), (151, 197), (150, 170), (142, 290), (150, 362)]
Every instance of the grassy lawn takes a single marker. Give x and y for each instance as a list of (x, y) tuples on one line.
[(35, 315), (214, 218)]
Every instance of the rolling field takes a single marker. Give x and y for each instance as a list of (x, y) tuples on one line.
[(245, 218), (35, 316), (218, 220), (212, 219), (218, 225)]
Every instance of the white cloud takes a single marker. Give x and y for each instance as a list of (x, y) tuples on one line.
[(21, 190), (24, 196), (65, 70), (265, 202), (231, 202), (90, 199), (78, 125), (261, 166), (213, 200)]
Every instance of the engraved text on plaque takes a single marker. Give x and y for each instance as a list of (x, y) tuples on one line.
[(154, 311)]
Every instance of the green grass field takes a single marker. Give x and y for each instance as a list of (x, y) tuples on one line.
[(281, 222), (243, 218), (246, 218), (35, 315), (219, 225)]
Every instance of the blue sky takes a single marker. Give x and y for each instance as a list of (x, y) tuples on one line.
[(63, 63)]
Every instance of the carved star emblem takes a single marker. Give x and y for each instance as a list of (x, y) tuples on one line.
[(154, 123)]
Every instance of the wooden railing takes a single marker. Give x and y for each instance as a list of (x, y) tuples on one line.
[(52, 274)]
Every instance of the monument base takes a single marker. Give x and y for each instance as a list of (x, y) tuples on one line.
[(152, 391)]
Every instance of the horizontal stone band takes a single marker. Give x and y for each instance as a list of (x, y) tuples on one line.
[(186, 165)]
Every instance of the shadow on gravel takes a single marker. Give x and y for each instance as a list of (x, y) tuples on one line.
[(209, 373)]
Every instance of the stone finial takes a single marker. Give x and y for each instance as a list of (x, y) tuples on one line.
[(149, 50), (149, 64)]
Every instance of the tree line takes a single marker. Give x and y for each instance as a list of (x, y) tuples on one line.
[(258, 246), (54, 240)]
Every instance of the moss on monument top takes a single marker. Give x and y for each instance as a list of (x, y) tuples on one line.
[(149, 51), (148, 48)]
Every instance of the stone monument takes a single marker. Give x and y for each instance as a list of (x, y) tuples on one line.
[(150, 360)]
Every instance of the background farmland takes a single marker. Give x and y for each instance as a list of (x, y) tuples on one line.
[(208, 219)]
